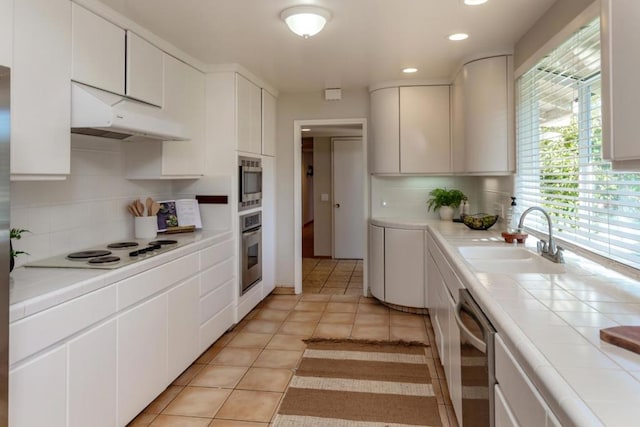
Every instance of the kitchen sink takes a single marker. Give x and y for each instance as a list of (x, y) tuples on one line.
[(508, 260)]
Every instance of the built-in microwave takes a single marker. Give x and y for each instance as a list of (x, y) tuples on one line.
[(249, 182)]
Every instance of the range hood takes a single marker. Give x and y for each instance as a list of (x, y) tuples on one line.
[(99, 113)]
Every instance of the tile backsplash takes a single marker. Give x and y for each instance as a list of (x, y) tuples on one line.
[(88, 208), (406, 196)]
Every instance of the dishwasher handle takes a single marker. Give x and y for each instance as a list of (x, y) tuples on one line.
[(464, 331)]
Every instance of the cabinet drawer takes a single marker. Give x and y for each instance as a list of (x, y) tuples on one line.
[(34, 333), (449, 277), (215, 301), (503, 414), (148, 283), (214, 277), (525, 402), (215, 327), (216, 254)]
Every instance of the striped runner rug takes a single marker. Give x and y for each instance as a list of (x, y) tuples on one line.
[(357, 384)]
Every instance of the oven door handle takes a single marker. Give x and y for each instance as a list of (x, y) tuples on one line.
[(248, 234), (468, 335)]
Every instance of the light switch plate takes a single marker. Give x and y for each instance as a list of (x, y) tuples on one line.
[(324, 197)]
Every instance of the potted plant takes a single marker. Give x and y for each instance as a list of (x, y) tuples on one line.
[(15, 233), (445, 201)]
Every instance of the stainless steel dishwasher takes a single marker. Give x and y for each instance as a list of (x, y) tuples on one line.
[(477, 337)]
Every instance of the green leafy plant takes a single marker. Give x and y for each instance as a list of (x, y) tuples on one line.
[(443, 197), (16, 234)]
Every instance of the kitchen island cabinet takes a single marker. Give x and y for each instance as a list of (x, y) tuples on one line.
[(107, 353), (41, 90), (410, 130), (399, 255)]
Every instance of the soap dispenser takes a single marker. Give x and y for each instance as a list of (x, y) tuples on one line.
[(512, 220)]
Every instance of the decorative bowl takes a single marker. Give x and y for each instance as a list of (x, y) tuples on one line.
[(480, 221)]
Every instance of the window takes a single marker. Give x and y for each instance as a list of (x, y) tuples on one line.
[(559, 154)]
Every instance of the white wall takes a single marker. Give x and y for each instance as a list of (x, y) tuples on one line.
[(87, 209), (322, 231), (309, 106)]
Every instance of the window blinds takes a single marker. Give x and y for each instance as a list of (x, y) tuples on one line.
[(559, 154)]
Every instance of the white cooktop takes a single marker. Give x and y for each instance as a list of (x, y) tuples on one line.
[(115, 257)]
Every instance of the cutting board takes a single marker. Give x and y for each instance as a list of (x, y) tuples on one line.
[(627, 337)]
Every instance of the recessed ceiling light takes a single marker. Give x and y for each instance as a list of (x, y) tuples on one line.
[(458, 36), (474, 2), (410, 70), (305, 130)]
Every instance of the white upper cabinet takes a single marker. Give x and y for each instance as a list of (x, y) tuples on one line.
[(145, 71), (40, 89), (184, 102), (425, 144), (385, 131), (248, 116), (6, 32), (620, 36), (410, 127), (483, 131), (268, 124), (98, 49)]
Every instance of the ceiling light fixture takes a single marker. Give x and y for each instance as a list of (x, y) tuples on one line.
[(305, 130), (458, 36), (410, 70), (474, 2), (305, 21)]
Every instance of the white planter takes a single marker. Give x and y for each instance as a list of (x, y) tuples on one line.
[(446, 213)]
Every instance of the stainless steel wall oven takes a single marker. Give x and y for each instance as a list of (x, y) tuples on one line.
[(249, 182), (250, 250)]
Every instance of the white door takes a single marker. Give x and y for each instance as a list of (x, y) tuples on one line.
[(348, 199)]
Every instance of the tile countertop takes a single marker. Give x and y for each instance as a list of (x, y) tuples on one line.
[(35, 289), (552, 323)]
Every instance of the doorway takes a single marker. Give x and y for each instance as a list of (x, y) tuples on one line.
[(330, 133)]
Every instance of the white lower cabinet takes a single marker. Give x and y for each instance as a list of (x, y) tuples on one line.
[(92, 392), (503, 415), (142, 356), (396, 266), (520, 398), (376, 261), (183, 324), (39, 391)]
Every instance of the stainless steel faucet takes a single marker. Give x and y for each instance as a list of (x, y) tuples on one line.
[(548, 250)]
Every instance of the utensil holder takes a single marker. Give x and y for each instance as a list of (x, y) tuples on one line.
[(145, 227)]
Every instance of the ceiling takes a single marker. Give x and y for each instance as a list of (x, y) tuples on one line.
[(365, 42)]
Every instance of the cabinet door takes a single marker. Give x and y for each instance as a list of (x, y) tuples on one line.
[(98, 49), (425, 143), (404, 267), (376, 261), (142, 356), (39, 391), (184, 325), (145, 72), (453, 365), (457, 124), (248, 116), (184, 101), (620, 34), (6, 32), (503, 415), (41, 92), (268, 124), (385, 131), (437, 307), (92, 377), (488, 145)]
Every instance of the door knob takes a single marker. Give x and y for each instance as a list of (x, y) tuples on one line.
[(337, 205)]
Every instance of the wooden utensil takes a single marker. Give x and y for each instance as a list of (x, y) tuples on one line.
[(149, 203), (155, 208), (140, 207), (132, 210)]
